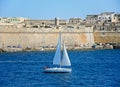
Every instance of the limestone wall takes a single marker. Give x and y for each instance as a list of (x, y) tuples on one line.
[(35, 38), (106, 37), (41, 39)]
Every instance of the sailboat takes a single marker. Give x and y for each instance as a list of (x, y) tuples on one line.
[(61, 59)]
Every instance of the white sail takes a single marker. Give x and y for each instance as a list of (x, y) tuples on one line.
[(60, 60), (65, 59), (57, 57)]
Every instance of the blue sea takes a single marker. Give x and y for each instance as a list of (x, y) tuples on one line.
[(90, 68)]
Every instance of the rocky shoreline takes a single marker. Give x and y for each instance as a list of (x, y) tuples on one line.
[(94, 47)]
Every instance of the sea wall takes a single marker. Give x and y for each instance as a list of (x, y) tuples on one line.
[(106, 37), (37, 38)]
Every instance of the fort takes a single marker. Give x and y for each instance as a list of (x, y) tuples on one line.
[(24, 34)]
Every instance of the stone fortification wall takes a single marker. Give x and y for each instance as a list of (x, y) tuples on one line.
[(107, 37), (36, 38), (41, 37)]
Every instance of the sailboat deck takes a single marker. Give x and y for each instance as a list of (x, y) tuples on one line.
[(57, 70)]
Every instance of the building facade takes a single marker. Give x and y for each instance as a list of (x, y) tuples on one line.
[(75, 20), (105, 17), (116, 18), (92, 18), (11, 20)]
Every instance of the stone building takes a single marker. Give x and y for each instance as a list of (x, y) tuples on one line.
[(116, 18), (56, 21), (105, 17), (75, 20), (92, 18), (11, 20), (45, 23)]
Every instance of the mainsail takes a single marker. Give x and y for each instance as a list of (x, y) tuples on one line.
[(57, 57)]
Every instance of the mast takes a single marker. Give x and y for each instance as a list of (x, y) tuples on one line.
[(60, 50)]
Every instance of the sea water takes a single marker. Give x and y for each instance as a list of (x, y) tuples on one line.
[(90, 68)]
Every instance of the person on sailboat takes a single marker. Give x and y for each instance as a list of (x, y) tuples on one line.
[(46, 67)]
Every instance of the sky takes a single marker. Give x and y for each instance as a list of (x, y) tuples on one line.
[(49, 9)]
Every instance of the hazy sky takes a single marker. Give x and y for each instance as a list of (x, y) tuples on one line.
[(49, 9)]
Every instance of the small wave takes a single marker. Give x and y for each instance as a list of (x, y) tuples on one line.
[(24, 61)]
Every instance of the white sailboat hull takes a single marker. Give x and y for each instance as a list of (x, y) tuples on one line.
[(57, 70)]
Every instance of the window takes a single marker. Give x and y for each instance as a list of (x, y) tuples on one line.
[(99, 17), (43, 23)]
